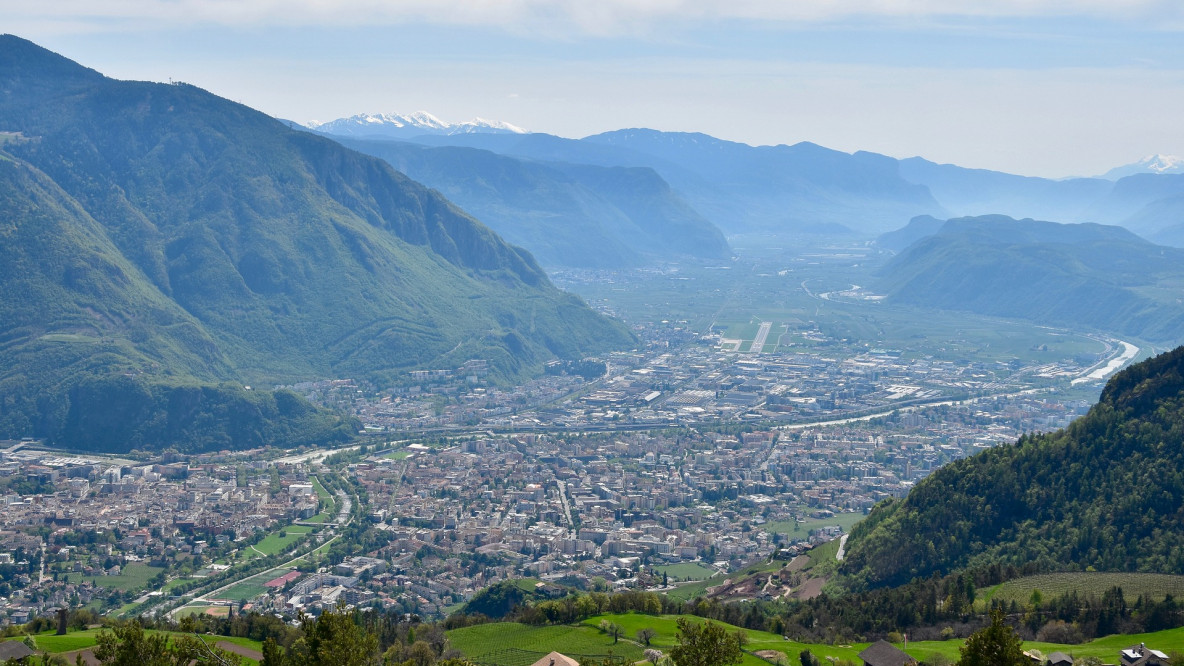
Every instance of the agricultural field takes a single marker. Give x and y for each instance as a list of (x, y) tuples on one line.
[(686, 571), (513, 644), (1086, 583)]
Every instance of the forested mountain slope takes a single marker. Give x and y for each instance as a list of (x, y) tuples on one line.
[(1106, 492), (158, 236), (1080, 275)]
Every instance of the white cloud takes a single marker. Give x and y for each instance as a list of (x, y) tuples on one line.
[(563, 16)]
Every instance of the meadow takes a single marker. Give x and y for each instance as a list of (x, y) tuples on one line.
[(686, 571), (513, 644)]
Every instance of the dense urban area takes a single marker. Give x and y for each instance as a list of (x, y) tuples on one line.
[(657, 469)]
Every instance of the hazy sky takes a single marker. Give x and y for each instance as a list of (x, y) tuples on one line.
[(1039, 87)]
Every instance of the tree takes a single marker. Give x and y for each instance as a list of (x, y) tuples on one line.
[(994, 645), (807, 658), (333, 639), (272, 655), (645, 634), (421, 654), (653, 656), (706, 644)]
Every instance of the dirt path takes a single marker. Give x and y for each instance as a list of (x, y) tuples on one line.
[(88, 654), (240, 650), (88, 657)]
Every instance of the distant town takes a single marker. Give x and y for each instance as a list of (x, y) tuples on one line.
[(655, 469)]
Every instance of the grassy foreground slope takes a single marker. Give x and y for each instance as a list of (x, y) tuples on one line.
[(513, 644)]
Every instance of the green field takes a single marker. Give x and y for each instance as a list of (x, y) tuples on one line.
[(322, 494), (274, 543), (177, 581), (823, 554), (686, 571), (526, 584), (513, 644), (251, 587), (75, 640), (196, 608), (134, 576), (844, 520), (1154, 586)]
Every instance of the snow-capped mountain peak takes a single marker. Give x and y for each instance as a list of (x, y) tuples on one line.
[(396, 125), (1163, 163), (477, 125), (1151, 164)]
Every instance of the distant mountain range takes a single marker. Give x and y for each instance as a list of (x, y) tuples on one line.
[(1079, 275), (160, 241), (808, 189), (739, 188), (1104, 493), (565, 214), (397, 126), (1149, 204)]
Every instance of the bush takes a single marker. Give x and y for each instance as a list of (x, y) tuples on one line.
[(1059, 631)]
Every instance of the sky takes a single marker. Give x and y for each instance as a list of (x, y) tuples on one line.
[(1051, 88)]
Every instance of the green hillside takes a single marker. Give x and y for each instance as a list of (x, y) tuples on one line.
[(157, 236), (1107, 492), (1080, 275)]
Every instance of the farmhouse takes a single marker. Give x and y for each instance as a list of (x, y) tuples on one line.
[(883, 653)]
